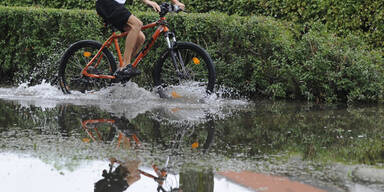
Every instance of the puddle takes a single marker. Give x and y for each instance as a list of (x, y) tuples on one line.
[(25, 173), (56, 139)]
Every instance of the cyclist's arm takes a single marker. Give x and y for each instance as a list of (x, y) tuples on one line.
[(153, 4)]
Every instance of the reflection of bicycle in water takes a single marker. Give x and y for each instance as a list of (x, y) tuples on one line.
[(122, 127), (120, 176)]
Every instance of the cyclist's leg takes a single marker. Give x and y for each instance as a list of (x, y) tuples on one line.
[(139, 43), (134, 40)]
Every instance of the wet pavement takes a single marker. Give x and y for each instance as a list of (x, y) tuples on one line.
[(262, 182), (50, 141)]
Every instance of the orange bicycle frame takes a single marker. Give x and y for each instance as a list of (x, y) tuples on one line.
[(114, 39)]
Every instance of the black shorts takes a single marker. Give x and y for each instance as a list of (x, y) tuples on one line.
[(113, 13)]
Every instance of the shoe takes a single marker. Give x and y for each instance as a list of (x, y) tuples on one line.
[(127, 72)]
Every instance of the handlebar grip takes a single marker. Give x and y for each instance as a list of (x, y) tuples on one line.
[(176, 8), (166, 8)]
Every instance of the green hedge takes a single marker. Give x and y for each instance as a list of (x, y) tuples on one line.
[(258, 56), (64, 4), (365, 18)]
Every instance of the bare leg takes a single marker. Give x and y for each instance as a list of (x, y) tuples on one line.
[(134, 40), (140, 41)]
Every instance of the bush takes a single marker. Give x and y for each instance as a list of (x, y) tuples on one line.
[(30, 36), (258, 56), (66, 4), (365, 18)]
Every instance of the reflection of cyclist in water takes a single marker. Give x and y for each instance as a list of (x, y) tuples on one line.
[(119, 179), (126, 173)]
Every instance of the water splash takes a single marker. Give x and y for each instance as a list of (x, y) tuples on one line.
[(129, 100)]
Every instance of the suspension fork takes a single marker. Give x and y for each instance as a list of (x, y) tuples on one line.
[(177, 60)]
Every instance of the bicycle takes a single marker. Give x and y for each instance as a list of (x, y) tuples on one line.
[(89, 65)]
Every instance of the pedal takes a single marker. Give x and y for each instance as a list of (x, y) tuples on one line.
[(126, 74)]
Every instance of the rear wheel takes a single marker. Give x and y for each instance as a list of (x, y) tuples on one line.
[(187, 64), (75, 58)]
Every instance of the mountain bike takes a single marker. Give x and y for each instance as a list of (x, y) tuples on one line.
[(88, 65)]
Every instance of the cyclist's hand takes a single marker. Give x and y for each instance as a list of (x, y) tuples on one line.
[(182, 6), (112, 160), (153, 4)]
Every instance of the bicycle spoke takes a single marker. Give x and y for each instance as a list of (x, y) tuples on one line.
[(77, 65), (192, 68), (187, 59), (76, 59)]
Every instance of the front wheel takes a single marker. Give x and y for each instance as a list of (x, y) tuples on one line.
[(186, 64)]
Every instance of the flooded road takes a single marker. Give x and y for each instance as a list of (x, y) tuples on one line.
[(50, 141)]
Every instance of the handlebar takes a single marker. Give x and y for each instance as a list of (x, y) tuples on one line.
[(168, 8)]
